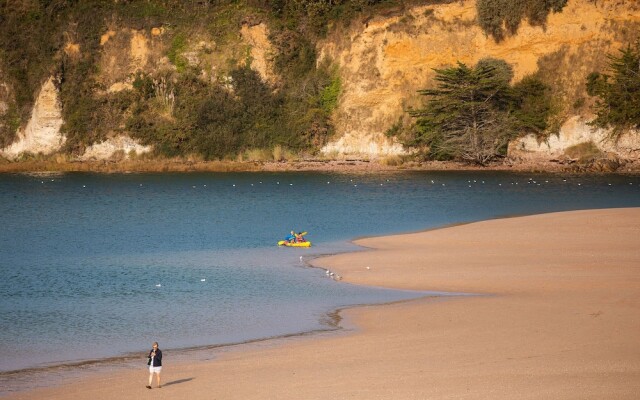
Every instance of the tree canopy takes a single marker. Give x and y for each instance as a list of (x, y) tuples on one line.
[(473, 112), (618, 92)]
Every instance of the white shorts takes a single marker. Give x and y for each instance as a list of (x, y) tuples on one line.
[(153, 369)]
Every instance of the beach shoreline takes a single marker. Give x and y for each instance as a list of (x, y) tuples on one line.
[(558, 320)]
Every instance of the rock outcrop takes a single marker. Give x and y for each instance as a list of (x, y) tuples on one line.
[(573, 133), (42, 133), (116, 148)]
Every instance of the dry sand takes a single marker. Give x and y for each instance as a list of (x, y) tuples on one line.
[(558, 318)]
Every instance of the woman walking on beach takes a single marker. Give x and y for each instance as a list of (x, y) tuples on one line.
[(155, 363)]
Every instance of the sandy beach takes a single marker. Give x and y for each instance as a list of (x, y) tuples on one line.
[(555, 315)]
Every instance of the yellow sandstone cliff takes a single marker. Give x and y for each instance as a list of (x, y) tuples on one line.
[(385, 60), (382, 61)]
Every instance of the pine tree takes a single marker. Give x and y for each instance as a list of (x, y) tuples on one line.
[(467, 115), (618, 92), (474, 112)]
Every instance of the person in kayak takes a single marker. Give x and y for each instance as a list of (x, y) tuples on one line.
[(291, 238)]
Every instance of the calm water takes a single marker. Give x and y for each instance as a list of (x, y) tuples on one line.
[(98, 266)]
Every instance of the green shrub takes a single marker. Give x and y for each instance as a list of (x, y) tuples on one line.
[(618, 92), (178, 46), (586, 151), (330, 93), (494, 16)]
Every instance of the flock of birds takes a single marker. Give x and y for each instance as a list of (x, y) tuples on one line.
[(470, 182), (333, 276)]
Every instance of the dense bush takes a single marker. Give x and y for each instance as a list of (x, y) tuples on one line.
[(501, 17), (30, 38), (618, 92), (474, 112)]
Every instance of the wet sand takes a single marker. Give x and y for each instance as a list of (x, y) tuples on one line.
[(556, 316)]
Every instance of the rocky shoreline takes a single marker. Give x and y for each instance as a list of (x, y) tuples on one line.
[(347, 165)]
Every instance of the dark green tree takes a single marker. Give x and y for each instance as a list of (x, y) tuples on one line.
[(618, 92), (532, 105), (474, 112), (466, 116)]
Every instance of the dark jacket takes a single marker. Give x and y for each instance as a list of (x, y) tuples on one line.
[(157, 360)]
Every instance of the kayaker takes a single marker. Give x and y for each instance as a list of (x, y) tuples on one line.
[(291, 238), (300, 238)]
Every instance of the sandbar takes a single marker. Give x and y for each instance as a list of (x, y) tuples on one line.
[(555, 314)]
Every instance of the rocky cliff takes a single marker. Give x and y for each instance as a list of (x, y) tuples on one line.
[(42, 132), (382, 60), (385, 60)]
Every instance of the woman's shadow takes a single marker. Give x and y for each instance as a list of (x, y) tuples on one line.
[(178, 381)]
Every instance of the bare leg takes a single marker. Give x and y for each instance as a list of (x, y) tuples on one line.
[(150, 379), (158, 376)]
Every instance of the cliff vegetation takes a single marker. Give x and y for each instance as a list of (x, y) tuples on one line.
[(287, 79)]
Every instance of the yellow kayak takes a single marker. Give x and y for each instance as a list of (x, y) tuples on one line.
[(289, 244)]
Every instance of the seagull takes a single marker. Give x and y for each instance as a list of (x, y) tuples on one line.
[(158, 285), (368, 267), (203, 280)]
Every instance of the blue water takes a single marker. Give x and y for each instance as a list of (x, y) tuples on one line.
[(98, 266)]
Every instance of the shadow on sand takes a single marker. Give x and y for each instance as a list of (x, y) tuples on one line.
[(177, 382)]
